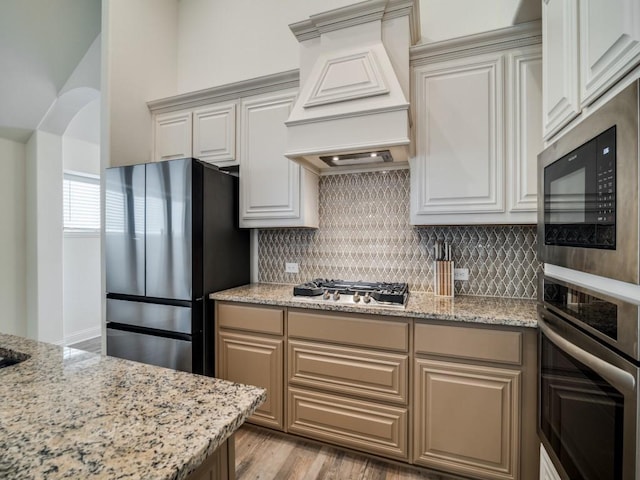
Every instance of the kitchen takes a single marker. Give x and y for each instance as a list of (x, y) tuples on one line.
[(328, 252)]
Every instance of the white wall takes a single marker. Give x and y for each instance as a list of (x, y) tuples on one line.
[(225, 41), (456, 18), (80, 156), (139, 42), (13, 315), (82, 289), (85, 125), (44, 237)]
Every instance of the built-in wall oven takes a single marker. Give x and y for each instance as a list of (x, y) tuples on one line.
[(589, 296), (588, 210), (588, 382)]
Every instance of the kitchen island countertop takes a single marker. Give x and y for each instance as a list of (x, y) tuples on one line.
[(67, 413), (488, 310)]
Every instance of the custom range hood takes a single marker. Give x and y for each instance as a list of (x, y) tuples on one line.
[(352, 110)]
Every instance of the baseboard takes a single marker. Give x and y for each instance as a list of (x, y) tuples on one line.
[(82, 335)]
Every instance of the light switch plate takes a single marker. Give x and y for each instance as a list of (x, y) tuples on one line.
[(291, 267), (461, 274)]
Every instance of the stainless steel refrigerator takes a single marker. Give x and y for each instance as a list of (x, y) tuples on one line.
[(171, 238)]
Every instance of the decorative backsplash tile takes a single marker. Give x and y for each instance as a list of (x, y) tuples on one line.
[(365, 235)]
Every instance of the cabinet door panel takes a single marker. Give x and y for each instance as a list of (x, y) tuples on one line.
[(349, 329), (560, 64), (256, 361), (172, 136), (524, 128), (609, 44), (371, 375), (214, 134), (251, 318), (467, 419), (365, 426), (459, 125), (269, 182)]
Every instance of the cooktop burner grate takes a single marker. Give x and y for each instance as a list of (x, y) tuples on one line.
[(365, 293)]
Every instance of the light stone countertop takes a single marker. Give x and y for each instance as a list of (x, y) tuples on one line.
[(487, 310), (71, 414)]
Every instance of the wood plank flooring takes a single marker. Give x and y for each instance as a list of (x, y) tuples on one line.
[(93, 345), (265, 455)]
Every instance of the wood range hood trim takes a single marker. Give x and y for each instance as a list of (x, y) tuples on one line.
[(354, 78)]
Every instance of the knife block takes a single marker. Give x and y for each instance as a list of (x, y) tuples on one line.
[(443, 278)]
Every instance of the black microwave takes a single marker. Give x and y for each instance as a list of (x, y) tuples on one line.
[(580, 195), (588, 198)]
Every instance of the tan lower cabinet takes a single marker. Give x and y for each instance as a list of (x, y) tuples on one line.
[(220, 465), (348, 380), (467, 418), (367, 426), (256, 361), (475, 400), (457, 398), (250, 350), (352, 371)]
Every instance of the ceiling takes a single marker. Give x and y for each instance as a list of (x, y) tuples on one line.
[(41, 43)]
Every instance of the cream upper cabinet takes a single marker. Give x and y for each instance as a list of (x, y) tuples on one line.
[(214, 134), (609, 44), (207, 133), (524, 129), (243, 124), (172, 136), (560, 101), (459, 163), (477, 135), (589, 47), (274, 191)]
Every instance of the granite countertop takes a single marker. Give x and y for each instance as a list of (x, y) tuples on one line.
[(71, 414), (488, 310)]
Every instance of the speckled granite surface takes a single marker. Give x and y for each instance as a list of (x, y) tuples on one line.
[(488, 310), (66, 413)]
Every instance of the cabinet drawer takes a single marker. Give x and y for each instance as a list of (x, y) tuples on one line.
[(356, 424), (350, 330), (253, 319), (473, 343), (379, 376)]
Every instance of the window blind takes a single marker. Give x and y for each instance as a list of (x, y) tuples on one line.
[(81, 202)]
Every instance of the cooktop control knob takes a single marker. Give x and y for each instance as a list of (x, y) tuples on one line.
[(366, 298), (356, 297), (326, 295), (336, 295)]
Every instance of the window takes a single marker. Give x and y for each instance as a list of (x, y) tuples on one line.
[(81, 202)]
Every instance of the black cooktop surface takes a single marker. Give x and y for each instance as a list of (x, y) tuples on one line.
[(396, 293)]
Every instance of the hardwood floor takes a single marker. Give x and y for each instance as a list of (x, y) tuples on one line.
[(93, 345), (265, 455)]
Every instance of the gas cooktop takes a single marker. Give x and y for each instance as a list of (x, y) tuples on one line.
[(366, 294)]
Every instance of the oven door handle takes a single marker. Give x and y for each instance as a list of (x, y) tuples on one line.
[(617, 377)]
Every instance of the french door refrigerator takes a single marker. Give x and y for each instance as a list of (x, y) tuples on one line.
[(171, 238)]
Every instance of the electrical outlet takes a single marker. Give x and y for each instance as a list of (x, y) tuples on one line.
[(461, 274), (291, 267)]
